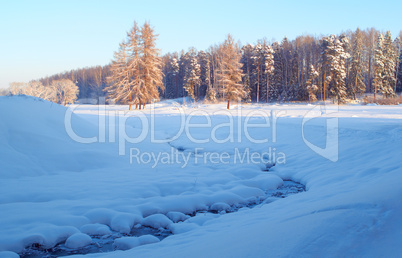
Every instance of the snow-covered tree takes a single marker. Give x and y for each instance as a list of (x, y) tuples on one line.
[(66, 92), (151, 72), (378, 65), (192, 78), (175, 73), (311, 87), (356, 83), (389, 59), (257, 59), (336, 55), (268, 53), (229, 71), (120, 80), (36, 89), (136, 74)]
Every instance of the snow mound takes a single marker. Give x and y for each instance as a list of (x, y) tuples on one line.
[(156, 221), (126, 243), (34, 139), (95, 229), (78, 240)]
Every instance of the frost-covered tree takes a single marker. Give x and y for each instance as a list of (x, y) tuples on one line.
[(311, 87), (257, 59), (336, 55), (36, 89), (134, 66), (175, 72), (378, 65), (136, 74), (66, 92), (268, 66), (150, 72), (229, 71), (276, 87), (192, 78), (356, 80), (120, 80), (389, 59)]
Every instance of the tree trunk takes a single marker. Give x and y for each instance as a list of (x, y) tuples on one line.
[(375, 89), (267, 87), (129, 106), (258, 85), (325, 78), (228, 103)]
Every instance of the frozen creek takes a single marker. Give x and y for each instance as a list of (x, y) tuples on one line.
[(108, 243)]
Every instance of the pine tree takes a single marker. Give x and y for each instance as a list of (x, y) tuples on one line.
[(192, 78), (336, 55), (229, 71), (120, 80), (257, 59), (311, 87), (356, 83), (175, 72), (378, 65), (277, 86), (389, 57), (151, 72), (205, 72), (268, 66), (134, 65)]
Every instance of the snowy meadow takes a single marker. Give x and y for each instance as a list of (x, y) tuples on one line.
[(199, 180)]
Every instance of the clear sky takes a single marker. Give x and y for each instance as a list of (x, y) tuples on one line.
[(40, 38)]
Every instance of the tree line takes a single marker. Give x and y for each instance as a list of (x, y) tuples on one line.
[(307, 68)]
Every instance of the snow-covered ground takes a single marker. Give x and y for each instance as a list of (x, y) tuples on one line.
[(199, 177)]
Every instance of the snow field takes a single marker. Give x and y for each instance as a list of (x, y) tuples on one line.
[(55, 190)]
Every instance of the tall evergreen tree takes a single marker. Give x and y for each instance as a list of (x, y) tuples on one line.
[(356, 83), (192, 78), (378, 65), (120, 89), (336, 55), (229, 71), (268, 67), (151, 72), (311, 87), (389, 59)]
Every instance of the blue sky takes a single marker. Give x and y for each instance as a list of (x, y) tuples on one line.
[(40, 38)]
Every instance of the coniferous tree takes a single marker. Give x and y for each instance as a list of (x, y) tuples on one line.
[(356, 83), (378, 65), (120, 82), (336, 55), (389, 59), (311, 87), (150, 72), (276, 88), (175, 72), (192, 78), (268, 67), (229, 71)]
